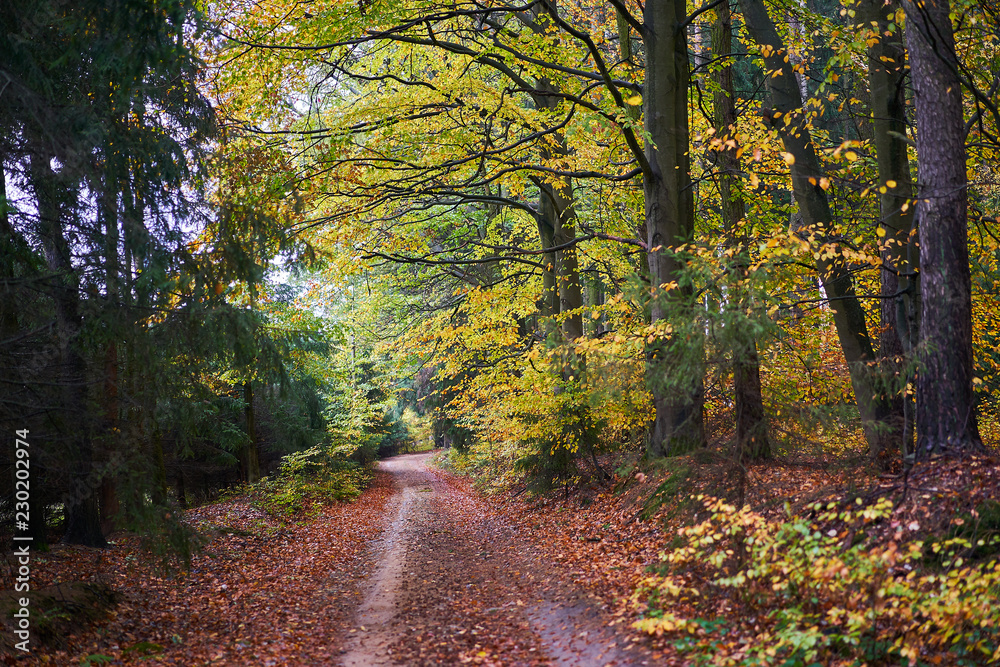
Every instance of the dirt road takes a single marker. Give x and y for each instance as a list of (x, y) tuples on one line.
[(454, 585)]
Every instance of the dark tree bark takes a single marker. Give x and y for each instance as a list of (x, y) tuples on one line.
[(946, 415), (250, 460), (788, 117), (898, 235), (595, 299), (548, 304), (679, 423), (562, 291), (751, 428), (109, 504), (83, 521), (557, 215), (180, 488)]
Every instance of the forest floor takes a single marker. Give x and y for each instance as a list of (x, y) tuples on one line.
[(422, 569)]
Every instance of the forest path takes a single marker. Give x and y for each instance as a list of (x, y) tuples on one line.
[(455, 584)]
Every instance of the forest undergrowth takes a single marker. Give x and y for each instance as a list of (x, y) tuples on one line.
[(788, 562), (799, 562)]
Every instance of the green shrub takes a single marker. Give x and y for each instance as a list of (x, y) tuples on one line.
[(820, 593), (980, 528), (306, 480), (550, 459)]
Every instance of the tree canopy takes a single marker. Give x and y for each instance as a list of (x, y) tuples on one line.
[(545, 231)]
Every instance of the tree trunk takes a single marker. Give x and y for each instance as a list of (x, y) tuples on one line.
[(595, 299), (788, 117), (546, 218), (555, 204), (181, 491), (679, 424), (946, 415), (557, 215), (751, 428), (250, 461), (898, 234), (624, 37), (109, 505), (83, 524)]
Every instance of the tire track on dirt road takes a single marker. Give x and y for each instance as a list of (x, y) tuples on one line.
[(455, 584)]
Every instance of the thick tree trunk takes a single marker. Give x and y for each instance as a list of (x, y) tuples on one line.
[(946, 415), (679, 424), (181, 490), (568, 272), (898, 233), (788, 117), (83, 525), (751, 428)]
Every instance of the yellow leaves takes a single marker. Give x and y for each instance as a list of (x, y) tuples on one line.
[(666, 623), (634, 100), (788, 563), (788, 158)]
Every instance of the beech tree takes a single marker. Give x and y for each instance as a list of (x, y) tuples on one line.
[(669, 220), (752, 441), (897, 228), (467, 159), (788, 115)]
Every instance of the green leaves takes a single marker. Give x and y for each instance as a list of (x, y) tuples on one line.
[(824, 595)]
